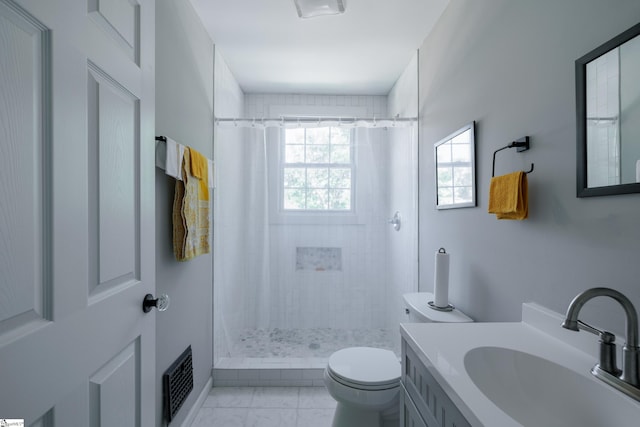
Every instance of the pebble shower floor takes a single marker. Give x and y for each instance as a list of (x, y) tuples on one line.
[(316, 342)]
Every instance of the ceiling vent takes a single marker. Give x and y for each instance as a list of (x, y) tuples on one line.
[(313, 8)]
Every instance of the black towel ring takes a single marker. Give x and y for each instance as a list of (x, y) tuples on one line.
[(521, 144)]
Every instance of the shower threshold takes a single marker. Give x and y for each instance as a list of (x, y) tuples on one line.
[(269, 372)]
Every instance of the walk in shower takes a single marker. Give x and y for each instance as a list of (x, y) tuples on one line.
[(306, 258)]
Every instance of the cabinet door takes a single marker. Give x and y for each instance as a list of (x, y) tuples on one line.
[(409, 416), (431, 401)]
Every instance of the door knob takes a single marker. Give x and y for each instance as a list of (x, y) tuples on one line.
[(161, 303), (396, 221)]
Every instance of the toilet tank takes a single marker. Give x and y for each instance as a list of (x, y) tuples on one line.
[(417, 310)]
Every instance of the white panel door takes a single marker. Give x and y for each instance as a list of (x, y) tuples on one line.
[(77, 249)]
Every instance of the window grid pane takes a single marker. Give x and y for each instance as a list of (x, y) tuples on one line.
[(454, 171), (317, 169)]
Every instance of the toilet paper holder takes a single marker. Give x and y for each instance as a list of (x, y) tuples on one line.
[(449, 307), (441, 282)]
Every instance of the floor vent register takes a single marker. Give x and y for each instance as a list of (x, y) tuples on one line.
[(177, 383)]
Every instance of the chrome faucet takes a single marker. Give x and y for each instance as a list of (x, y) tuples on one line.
[(626, 380)]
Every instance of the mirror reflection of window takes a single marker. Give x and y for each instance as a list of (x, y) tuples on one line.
[(630, 111), (603, 101), (613, 114), (455, 178)]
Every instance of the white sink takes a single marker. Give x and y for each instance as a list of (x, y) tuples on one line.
[(538, 392), (532, 373)]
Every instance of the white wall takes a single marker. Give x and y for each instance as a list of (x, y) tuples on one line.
[(510, 66), (184, 107)]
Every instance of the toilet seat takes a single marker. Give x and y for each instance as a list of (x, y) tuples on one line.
[(365, 368)]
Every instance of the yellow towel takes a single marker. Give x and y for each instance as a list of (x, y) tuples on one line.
[(508, 196), (190, 216), (199, 169)]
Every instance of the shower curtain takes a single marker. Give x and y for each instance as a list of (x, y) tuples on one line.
[(259, 282), (257, 223), (241, 235)]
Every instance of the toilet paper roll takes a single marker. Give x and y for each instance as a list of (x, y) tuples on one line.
[(441, 279)]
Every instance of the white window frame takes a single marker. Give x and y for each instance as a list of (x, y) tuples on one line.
[(277, 215), (282, 164)]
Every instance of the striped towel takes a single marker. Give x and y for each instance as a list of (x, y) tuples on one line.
[(190, 214)]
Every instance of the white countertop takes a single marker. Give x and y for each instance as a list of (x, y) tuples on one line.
[(442, 348)]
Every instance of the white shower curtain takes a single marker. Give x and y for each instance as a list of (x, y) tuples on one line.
[(241, 236), (290, 297), (257, 223), (256, 282)]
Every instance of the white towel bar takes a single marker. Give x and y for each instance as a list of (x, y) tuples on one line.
[(161, 159)]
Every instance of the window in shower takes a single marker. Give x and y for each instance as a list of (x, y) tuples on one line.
[(318, 170)]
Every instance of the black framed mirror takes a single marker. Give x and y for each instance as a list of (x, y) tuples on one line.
[(608, 117)]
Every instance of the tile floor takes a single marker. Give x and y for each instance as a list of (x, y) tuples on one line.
[(266, 407)]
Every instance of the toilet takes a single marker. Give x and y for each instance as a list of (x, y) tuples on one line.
[(365, 381)]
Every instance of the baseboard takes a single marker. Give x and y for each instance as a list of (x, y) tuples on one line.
[(193, 412)]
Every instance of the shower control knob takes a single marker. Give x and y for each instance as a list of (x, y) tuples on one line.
[(161, 303)]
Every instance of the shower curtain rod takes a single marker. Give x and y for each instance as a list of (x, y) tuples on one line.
[(293, 122)]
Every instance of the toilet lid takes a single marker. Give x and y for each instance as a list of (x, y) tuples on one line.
[(366, 366)]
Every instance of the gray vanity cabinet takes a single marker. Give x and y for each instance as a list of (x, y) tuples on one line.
[(423, 402), (409, 415)]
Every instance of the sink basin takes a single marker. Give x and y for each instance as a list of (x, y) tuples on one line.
[(538, 392)]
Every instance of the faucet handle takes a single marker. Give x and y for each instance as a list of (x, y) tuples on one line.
[(605, 336), (607, 348)]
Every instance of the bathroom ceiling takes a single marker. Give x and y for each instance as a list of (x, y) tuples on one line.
[(269, 49)]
